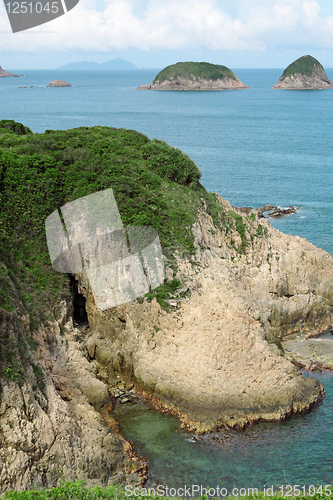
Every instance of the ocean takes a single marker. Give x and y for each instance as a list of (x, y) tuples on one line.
[(253, 147)]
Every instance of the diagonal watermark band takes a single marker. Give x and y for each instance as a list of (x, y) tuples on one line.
[(121, 264), (24, 14)]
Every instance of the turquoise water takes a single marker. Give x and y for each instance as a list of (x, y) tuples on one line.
[(253, 147), (295, 451)]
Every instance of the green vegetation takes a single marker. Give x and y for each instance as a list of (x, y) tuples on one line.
[(77, 491), (304, 65), (193, 71), (241, 229), (154, 185)]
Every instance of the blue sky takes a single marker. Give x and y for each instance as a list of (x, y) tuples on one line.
[(155, 33)]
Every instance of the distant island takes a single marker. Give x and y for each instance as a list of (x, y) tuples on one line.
[(195, 76), (113, 64), (304, 73), (5, 74)]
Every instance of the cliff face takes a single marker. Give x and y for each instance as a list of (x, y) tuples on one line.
[(215, 360), (57, 423), (213, 356)]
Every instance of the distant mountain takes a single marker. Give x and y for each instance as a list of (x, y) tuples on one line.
[(113, 64)]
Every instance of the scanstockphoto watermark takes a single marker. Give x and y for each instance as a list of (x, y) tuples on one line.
[(23, 15), (193, 491), (197, 490), (121, 264)]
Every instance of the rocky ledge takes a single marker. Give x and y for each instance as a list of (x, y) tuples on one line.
[(214, 359)]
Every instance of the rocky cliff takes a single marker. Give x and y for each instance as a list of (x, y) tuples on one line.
[(57, 422), (206, 345), (216, 358)]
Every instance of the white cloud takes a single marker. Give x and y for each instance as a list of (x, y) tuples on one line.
[(170, 24)]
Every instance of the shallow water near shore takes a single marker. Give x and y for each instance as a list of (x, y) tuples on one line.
[(295, 451), (253, 147)]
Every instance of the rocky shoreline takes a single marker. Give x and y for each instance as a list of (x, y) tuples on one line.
[(271, 211), (188, 361), (215, 359)]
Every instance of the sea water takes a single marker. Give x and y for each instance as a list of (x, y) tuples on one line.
[(253, 147)]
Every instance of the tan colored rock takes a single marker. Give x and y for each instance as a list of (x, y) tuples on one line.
[(198, 84), (216, 360), (311, 354), (56, 432), (59, 83)]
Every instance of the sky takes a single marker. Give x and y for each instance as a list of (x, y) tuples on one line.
[(156, 33)]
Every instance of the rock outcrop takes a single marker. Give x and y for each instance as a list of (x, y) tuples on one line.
[(304, 73), (310, 353), (62, 426), (235, 290), (59, 83), (217, 359), (195, 76)]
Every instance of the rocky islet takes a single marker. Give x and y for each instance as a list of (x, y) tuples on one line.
[(195, 76), (304, 73)]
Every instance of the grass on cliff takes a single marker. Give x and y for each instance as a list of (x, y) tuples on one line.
[(154, 185), (194, 70), (77, 491), (304, 65)]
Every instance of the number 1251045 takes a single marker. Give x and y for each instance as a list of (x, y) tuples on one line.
[(32, 7)]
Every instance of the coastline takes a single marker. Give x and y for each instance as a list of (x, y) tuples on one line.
[(209, 350)]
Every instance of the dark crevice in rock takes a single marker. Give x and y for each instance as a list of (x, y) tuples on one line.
[(80, 316)]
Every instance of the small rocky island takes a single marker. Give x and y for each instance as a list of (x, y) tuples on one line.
[(304, 73), (4, 73), (195, 76), (59, 83)]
